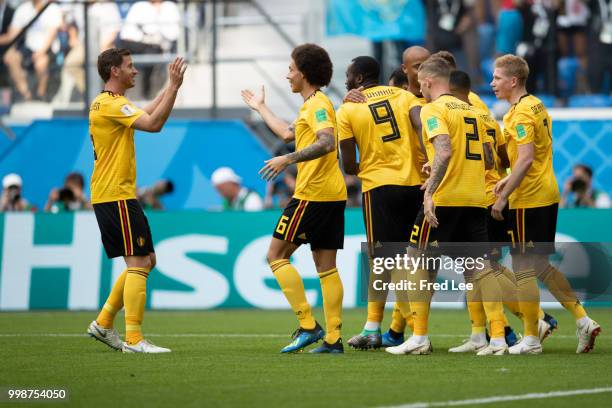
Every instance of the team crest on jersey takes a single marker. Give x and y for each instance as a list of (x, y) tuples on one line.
[(432, 124), (127, 110), (321, 115), (520, 131), (140, 241)]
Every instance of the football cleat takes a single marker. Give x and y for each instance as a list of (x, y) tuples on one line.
[(303, 338), (468, 347), (523, 347), (586, 336), (511, 337), (144, 346), (387, 340), (546, 326), (491, 350), (110, 337), (326, 348), (411, 347), (366, 340)]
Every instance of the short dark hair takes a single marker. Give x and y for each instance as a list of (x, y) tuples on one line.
[(587, 169), (314, 62), (113, 57), (460, 80), (367, 67), (446, 56), (399, 78), (77, 177)]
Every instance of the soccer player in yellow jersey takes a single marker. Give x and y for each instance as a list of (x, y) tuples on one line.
[(385, 130), (454, 208), (315, 215), (533, 194), (123, 225)]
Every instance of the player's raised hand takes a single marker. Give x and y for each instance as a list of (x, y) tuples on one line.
[(274, 167), (176, 72), (254, 101), (355, 96), (429, 208)]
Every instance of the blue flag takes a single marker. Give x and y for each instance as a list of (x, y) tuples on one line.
[(377, 20)]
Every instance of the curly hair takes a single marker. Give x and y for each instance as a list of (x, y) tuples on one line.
[(314, 63)]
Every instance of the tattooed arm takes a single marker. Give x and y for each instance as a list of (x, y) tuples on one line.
[(323, 145), (441, 159), (488, 155)]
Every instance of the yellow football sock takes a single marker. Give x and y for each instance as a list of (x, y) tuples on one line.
[(560, 288), (491, 295), (135, 298), (292, 286), (529, 300), (419, 305), (114, 303), (333, 292), (478, 318), (401, 317), (507, 284), (541, 314), (376, 311)]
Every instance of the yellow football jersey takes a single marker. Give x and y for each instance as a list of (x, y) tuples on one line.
[(463, 184), (111, 118), (319, 179), (528, 121), (496, 138), (388, 145), (477, 102)]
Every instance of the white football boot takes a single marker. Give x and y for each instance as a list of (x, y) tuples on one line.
[(144, 347), (468, 347), (586, 336), (544, 330), (411, 346), (494, 350), (110, 337), (527, 345)]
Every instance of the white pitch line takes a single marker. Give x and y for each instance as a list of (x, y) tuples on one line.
[(505, 398), (227, 335)]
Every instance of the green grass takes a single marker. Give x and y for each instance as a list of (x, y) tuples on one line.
[(208, 369)]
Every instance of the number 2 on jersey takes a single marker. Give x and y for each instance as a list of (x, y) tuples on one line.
[(471, 136), (388, 117)]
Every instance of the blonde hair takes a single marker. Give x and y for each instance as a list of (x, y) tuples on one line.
[(514, 66), (436, 67)]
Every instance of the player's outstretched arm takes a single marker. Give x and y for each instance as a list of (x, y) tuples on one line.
[(349, 156), (323, 145), (258, 103), (505, 187), (155, 121)]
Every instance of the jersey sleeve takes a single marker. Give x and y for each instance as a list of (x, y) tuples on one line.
[(434, 122), (522, 128), (122, 111), (345, 131), (321, 116), (477, 102)]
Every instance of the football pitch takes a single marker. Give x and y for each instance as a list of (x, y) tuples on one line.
[(231, 358)]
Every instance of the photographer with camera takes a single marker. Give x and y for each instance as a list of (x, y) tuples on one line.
[(11, 199), (70, 197), (149, 197), (578, 191)]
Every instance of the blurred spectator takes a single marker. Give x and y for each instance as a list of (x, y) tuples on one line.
[(6, 15), (578, 191), (104, 21), (236, 197), (11, 199), (452, 26), (539, 45), (70, 197), (280, 191), (39, 48), (399, 79), (486, 13), (572, 34), (151, 27), (509, 26), (149, 197), (600, 44)]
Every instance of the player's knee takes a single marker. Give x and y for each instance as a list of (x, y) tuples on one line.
[(273, 255), (153, 260)]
